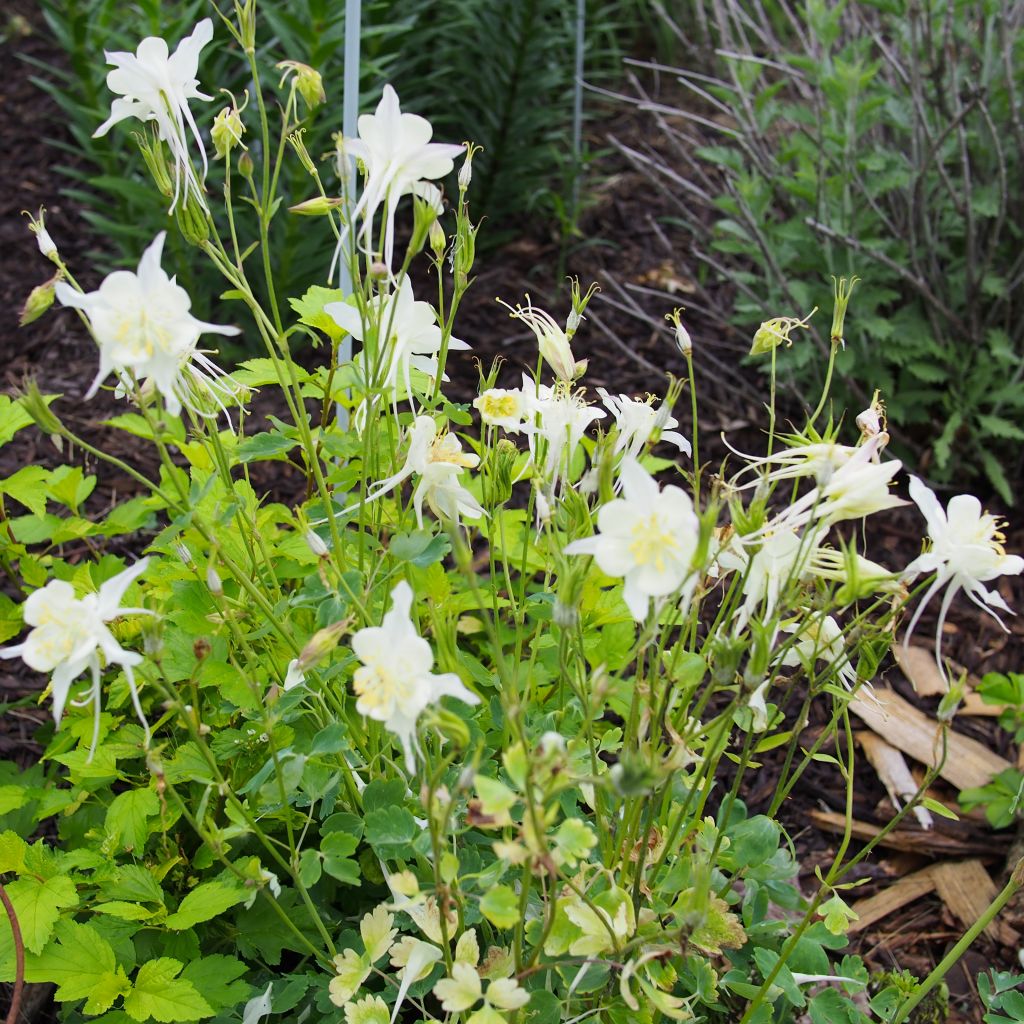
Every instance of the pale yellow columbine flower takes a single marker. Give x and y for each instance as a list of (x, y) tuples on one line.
[(648, 537), (503, 407), (394, 685), (143, 327)]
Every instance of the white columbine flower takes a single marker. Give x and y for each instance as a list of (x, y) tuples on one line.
[(463, 990), (559, 416), (413, 336), (394, 684), (69, 634), (966, 551), (821, 639), (552, 341), (637, 422), (142, 325), (396, 151), (648, 536), (438, 460), (154, 85)]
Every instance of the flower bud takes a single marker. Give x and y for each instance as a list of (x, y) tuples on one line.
[(842, 289), (871, 422), (466, 170), (192, 220), (437, 240), (322, 642), (316, 544), (39, 300), (449, 725), (182, 551), (43, 239), (38, 407), (227, 131), (503, 464), (214, 582), (318, 206), (683, 341), (155, 156), (245, 165)]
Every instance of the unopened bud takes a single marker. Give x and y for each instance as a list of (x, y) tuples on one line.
[(503, 464), (182, 551), (322, 642), (192, 220), (214, 582), (227, 131), (871, 422), (683, 340), (38, 407), (43, 239), (437, 239), (449, 725), (245, 165), (466, 170), (201, 648), (318, 206), (39, 300), (316, 544), (155, 156), (379, 270)]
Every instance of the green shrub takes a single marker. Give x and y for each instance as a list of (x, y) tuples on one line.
[(881, 139)]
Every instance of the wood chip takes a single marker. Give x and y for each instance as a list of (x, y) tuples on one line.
[(901, 892), (968, 763), (892, 769), (918, 665), (937, 843), (967, 890), (973, 705)]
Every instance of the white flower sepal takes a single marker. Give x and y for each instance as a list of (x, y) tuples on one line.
[(156, 85), (142, 325), (394, 684), (396, 150), (821, 639), (438, 460), (648, 537), (966, 552), (69, 634), (637, 422)]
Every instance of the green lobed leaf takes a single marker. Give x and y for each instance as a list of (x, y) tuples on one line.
[(127, 821), (205, 902), (159, 993)]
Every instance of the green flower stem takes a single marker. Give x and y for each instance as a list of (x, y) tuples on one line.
[(828, 382), (904, 1010)]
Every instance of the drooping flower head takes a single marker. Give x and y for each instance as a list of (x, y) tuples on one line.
[(394, 684), (648, 536), (142, 325), (552, 340), (966, 552), (397, 154), (637, 421), (69, 634), (155, 85)]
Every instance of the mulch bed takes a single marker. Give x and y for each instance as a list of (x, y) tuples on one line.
[(642, 267)]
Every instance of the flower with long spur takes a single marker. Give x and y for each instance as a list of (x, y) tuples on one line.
[(552, 340), (966, 552), (649, 537), (155, 85), (394, 684), (820, 638), (637, 422), (407, 333), (438, 460), (69, 634), (397, 155), (143, 327)]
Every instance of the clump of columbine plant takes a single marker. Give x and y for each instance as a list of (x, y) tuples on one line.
[(444, 740)]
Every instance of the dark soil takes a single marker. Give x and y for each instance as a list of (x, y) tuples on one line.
[(641, 263)]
